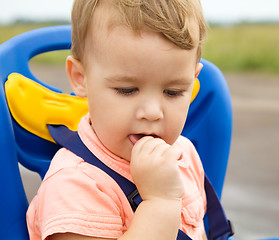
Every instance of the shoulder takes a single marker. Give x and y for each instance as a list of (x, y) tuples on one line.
[(194, 198), (78, 197), (62, 159), (190, 165), (69, 175)]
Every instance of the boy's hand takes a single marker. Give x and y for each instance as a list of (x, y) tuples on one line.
[(155, 171)]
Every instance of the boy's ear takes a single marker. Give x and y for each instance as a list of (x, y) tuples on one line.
[(75, 72), (199, 67)]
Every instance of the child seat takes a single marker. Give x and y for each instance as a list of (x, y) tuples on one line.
[(208, 126)]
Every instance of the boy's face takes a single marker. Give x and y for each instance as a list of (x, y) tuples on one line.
[(136, 86)]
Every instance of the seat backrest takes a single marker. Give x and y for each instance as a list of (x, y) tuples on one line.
[(208, 126)]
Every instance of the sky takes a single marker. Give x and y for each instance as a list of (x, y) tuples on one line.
[(221, 11)]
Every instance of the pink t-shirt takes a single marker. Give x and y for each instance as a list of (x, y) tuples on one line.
[(79, 198)]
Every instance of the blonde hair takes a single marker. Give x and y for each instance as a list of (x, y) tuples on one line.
[(172, 18)]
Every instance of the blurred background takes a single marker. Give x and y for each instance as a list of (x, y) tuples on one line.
[(243, 41)]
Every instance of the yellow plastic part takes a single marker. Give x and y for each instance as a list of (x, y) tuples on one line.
[(196, 89), (34, 106)]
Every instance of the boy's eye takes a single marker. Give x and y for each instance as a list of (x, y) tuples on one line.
[(126, 91), (173, 93)]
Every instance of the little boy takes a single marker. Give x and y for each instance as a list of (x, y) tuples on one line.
[(135, 61)]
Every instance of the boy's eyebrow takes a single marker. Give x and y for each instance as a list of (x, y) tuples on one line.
[(123, 78), (181, 81)]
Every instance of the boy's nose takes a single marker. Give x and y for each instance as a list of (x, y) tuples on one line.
[(150, 109)]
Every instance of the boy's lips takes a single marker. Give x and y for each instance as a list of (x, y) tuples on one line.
[(135, 137)]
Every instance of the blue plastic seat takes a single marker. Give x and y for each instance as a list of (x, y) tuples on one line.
[(208, 126), (16, 144)]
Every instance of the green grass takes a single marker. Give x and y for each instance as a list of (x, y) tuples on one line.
[(237, 48), (244, 47)]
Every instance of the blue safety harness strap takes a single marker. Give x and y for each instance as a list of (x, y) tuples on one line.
[(220, 227), (71, 140)]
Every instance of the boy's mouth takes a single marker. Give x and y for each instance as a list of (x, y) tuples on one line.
[(135, 137)]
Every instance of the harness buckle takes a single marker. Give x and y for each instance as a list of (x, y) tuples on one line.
[(225, 235), (231, 228), (131, 198)]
